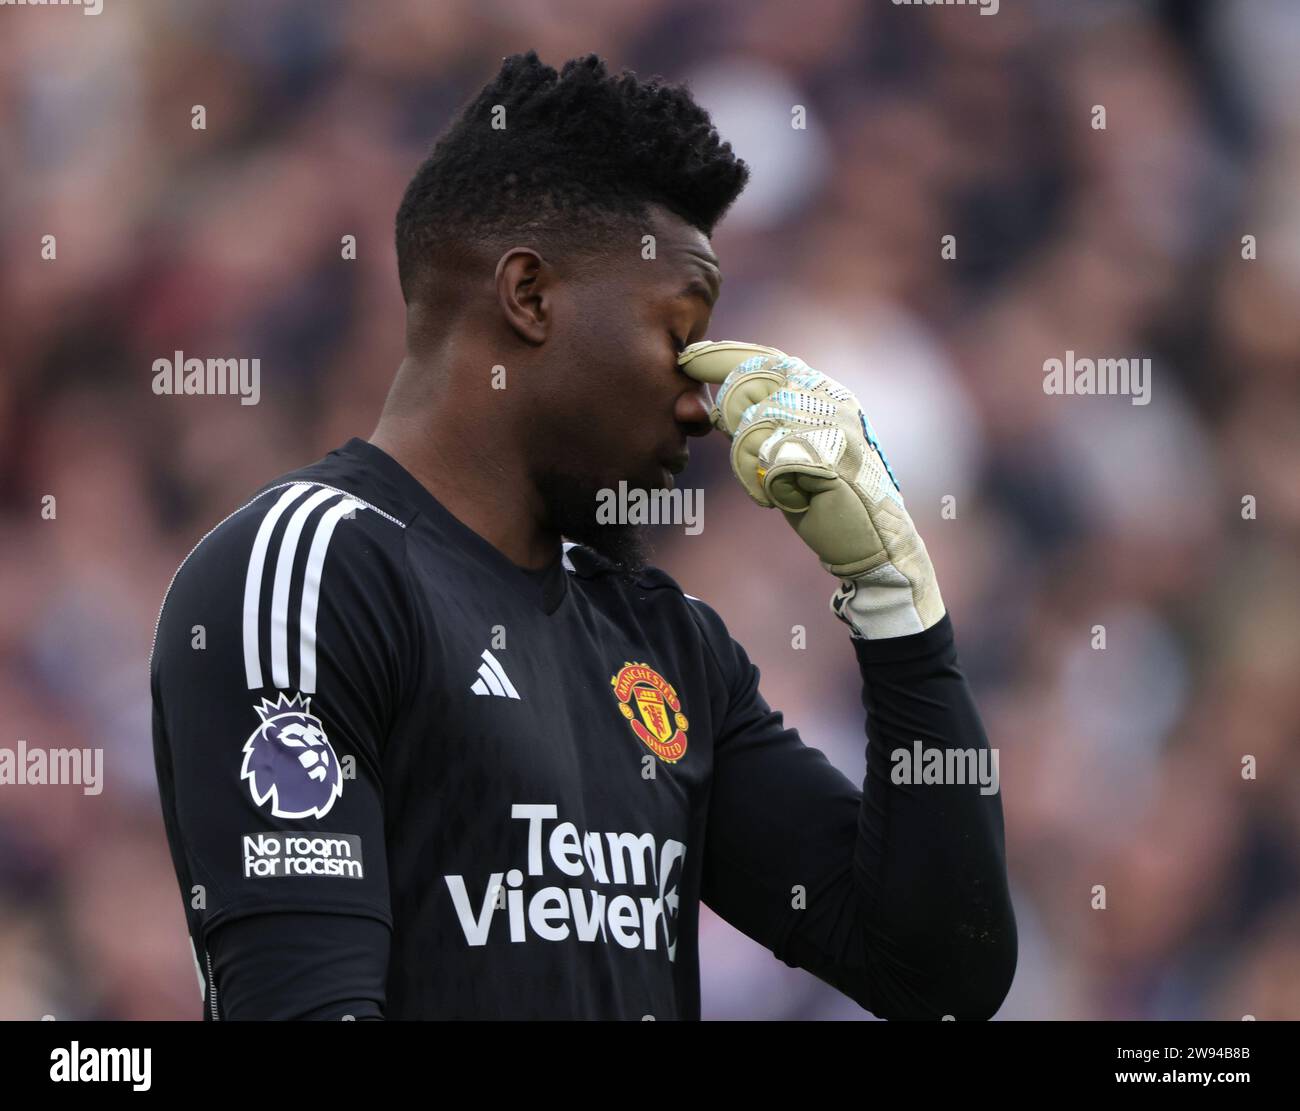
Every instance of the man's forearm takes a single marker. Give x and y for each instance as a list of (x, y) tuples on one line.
[(924, 926)]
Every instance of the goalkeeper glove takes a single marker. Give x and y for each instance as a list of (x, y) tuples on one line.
[(800, 442)]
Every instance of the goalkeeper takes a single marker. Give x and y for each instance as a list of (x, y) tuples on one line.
[(435, 762)]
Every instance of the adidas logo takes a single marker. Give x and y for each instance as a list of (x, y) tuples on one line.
[(492, 679)]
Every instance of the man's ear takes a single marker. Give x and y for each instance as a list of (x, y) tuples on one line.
[(523, 283)]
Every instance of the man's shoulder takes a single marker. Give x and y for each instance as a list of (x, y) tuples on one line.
[(351, 471), (304, 508), (270, 551)]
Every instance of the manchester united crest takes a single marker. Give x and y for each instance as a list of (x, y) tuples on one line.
[(657, 719)]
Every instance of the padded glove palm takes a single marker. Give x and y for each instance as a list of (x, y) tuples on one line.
[(800, 442)]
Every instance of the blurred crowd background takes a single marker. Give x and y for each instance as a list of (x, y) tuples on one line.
[(1120, 767)]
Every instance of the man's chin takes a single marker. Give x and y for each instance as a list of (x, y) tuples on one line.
[(623, 545), (571, 505)]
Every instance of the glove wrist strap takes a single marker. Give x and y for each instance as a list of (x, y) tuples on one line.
[(884, 603)]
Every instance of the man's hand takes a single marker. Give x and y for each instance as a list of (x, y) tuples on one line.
[(800, 442)]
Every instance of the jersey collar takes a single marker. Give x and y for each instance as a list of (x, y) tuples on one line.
[(547, 586)]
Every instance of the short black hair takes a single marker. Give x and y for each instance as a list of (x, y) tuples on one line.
[(580, 156)]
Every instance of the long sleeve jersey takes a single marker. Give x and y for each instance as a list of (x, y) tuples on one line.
[(403, 777)]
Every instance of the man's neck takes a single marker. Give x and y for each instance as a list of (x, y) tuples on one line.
[(486, 489)]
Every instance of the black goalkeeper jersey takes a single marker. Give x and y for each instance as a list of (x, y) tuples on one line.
[(531, 779)]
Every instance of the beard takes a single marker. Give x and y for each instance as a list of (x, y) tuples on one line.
[(570, 504)]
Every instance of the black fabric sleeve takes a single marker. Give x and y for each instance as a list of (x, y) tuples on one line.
[(270, 967), (896, 895), (279, 671)]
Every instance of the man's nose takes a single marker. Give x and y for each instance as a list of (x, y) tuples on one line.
[(692, 410)]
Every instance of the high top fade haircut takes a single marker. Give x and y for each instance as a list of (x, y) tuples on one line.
[(581, 155)]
